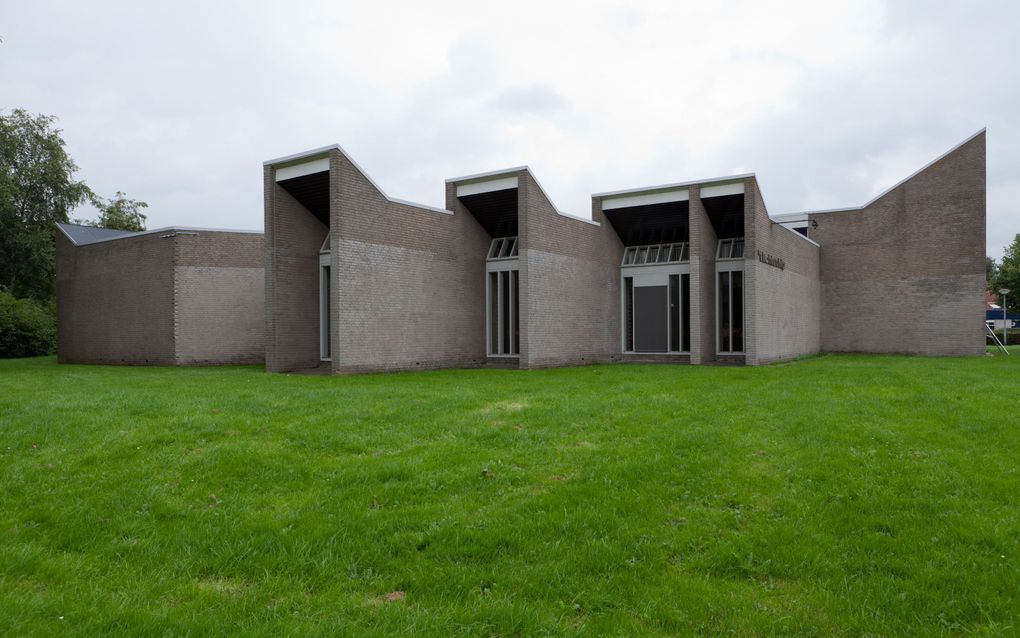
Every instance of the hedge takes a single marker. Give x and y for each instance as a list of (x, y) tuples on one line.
[(27, 327), (1014, 337)]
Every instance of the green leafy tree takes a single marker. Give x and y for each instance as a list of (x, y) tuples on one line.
[(119, 213), (991, 271), (1007, 275), (37, 189)]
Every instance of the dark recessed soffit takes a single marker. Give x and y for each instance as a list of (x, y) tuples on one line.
[(496, 211), (726, 213), (651, 223), (312, 191)]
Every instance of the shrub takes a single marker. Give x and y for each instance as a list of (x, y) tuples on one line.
[(1014, 337), (27, 327)]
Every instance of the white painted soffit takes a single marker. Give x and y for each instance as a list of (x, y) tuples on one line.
[(661, 197), (486, 186), (719, 190), (674, 186), (291, 171), (308, 159)]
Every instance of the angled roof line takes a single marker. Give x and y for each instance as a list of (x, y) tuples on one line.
[(665, 187), (903, 181), (324, 151), (526, 169), (83, 240)]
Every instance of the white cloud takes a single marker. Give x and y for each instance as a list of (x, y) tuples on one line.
[(829, 103)]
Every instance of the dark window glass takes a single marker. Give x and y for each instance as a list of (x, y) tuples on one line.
[(628, 313), (724, 312), (494, 313), (685, 312), (515, 279), (325, 313), (737, 303), (505, 310), (674, 313)]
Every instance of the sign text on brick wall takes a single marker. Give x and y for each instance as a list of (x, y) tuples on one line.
[(775, 262)]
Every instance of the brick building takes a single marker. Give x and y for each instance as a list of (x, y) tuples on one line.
[(692, 272), (171, 296)]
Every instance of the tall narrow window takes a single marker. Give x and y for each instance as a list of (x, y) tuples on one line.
[(731, 312), (724, 312), (685, 313), (504, 314), (504, 294), (674, 313), (628, 314), (494, 312), (516, 349), (737, 305), (324, 331)]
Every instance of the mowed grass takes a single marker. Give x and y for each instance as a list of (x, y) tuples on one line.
[(839, 495)]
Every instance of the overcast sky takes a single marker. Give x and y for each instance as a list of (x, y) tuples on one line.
[(830, 103)]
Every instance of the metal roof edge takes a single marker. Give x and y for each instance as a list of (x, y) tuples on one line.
[(666, 187), (166, 229)]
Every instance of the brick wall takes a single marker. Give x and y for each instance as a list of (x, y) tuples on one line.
[(570, 283), (782, 306), (702, 254), (185, 297), (907, 273), (219, 288), (115, 301), (293, 237), (409, 281)]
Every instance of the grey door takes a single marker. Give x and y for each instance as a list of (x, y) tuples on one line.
[(651, 319)]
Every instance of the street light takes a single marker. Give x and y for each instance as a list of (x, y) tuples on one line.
[(1005, 330)]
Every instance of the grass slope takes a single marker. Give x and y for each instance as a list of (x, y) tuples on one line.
[(841, 495)]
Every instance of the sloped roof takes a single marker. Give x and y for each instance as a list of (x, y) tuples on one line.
[(82, 235)]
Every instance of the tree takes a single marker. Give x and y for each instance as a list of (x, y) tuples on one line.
[(991, 272), (37, 189), (1008, 274), (119, 213)]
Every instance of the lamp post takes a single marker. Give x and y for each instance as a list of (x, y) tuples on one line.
[(1005, 330)]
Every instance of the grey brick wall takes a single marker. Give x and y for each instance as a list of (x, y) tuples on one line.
[(219, 288), (410, 281), (293, 237), (570, 283), (782, 306), (115, 301), (184, 298), (907, 274), (702, 253)]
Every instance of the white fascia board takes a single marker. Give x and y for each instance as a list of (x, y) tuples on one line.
[(323, 152), (487, 175), (719, 190), (674, 186), (487, 186), (661, 197), (304, 168), (790, 217)]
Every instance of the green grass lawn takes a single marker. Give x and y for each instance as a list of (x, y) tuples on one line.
[(840, 495)]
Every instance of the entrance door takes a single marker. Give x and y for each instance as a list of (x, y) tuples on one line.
[(651, 319)]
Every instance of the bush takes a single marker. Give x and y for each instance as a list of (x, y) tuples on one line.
[(1014, 337), (27, 327)]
